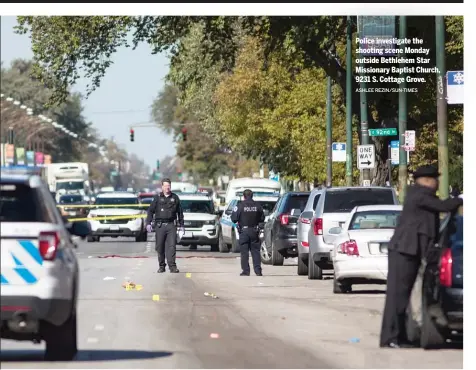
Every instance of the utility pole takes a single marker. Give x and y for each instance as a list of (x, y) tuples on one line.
[(402, 118), (348, 91), (10, 135), (441, 107), (329, 131), (364, 124)]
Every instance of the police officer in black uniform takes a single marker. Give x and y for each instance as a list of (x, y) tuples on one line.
[(167, 210), (416, 232), (248, 216)]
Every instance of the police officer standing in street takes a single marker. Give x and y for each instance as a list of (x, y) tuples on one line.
[(417, 231), (167, 210), (247, 216)]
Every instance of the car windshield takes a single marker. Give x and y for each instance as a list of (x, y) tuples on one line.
[(67, 199), (70, 185), (197, 206), (114, 201), (147, 200), (296, 201), (374, 220), (346, 200), (18, 204)]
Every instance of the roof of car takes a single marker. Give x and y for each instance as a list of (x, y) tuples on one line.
[(343, 188), (192, 196)]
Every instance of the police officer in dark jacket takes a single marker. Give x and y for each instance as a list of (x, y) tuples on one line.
[(248, 216), (167, 210), (416, 232)]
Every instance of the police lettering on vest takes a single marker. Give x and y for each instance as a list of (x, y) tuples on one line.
[(250, 209)]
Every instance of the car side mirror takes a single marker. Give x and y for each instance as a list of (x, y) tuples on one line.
[(296, 212), (335, 230), (80, 228), (266, 213), (219, 213)]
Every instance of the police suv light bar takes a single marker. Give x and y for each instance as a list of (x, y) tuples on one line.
[(260, 193)]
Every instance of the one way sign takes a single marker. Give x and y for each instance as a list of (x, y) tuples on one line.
[(365, 156)]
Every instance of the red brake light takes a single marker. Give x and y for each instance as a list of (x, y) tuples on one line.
[(305, 244), (48, 245), (284, 219), (318, 226), (349, 247), (305, 221), (446, 269)]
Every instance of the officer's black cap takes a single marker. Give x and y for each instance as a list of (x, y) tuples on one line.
[(426, 171)]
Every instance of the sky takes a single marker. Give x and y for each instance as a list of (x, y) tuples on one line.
[(126, 93)]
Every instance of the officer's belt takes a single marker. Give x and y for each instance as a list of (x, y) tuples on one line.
[(249, 227), (164, 221)]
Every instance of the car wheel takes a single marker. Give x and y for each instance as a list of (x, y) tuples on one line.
[(235, 247), (265, 254), (61, 341), (91, 239), (222, 246), (302, 269), (340, 287), (277, 259), (314, 272), (430, 336)]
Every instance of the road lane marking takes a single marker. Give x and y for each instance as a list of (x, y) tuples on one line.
[(93, 340), (99, 327)]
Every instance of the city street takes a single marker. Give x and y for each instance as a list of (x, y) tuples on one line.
[(280, 320)]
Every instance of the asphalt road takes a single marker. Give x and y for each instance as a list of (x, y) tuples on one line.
[(280, 320)]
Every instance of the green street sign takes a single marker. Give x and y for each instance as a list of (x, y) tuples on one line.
[(113, 173), (158, 164), (156, 176), (383, 132)]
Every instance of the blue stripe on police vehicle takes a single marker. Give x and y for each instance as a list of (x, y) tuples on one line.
[(27, 263)]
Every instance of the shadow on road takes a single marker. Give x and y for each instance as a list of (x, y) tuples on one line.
[(373, 291), (83, 355)]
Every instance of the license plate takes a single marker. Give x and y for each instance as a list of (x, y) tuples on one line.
[(384, 248), (187, 235), (114, 227)]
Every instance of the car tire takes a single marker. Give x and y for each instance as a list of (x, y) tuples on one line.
[(430, 336), (235, 247), (265, 260), (277, 259), (91, 239), (222, 246), (340, 287), (314, 272), (62, 341), (140, 237), (302, 268)]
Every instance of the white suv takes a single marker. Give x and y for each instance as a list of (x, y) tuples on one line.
[(200, 220), (39, 269), (117, 205)]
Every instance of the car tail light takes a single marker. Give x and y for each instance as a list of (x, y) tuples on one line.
[(284, 219), (305, 244), (349, 247), (48, 245), (318, 226), (305, 221), (446, 269)]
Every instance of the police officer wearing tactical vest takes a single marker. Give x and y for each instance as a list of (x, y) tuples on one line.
[(416, 232), (248, 216), (167, 210)]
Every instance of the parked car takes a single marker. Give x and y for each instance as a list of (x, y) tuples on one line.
[(228, 236), (435, 312), (280, 230), (332, 210), (360, 254), (76, 201), (303, 226)]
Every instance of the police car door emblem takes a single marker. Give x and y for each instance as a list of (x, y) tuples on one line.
[(172, 200), (235, 208)]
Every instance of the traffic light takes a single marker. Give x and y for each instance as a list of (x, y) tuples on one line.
[(132, 134), (184, 134), (158, 165)]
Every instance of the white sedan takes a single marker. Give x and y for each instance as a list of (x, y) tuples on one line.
[(360, 248)]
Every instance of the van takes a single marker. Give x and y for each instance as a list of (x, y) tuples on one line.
[(260, 185)]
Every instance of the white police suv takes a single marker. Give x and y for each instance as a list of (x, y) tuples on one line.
[(200, 220), (124, 217), (39, 271)]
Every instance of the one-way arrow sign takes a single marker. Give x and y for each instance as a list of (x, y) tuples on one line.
[(365, 157)]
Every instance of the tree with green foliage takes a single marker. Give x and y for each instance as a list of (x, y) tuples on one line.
[(63, 46)]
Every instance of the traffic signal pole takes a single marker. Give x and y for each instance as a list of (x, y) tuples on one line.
[(329, 131), (348, 93), (402, 119)]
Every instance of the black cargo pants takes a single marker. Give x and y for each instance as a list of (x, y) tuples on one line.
[(249, 242), (165, 243)]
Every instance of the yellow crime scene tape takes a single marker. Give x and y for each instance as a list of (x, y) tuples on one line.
[(101, 205), (105, 218)]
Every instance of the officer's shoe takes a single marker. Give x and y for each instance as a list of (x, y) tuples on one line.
[(245, 274), (174, 270), (259, 274), (161, 270)]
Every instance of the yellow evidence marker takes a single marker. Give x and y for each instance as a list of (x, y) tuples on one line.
[(156, 297)]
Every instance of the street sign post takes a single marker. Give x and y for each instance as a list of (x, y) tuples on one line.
[(455, 87), (338, 152), (383, 131), (409, 145), (394, 152), (273, 176), (365, 157)]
